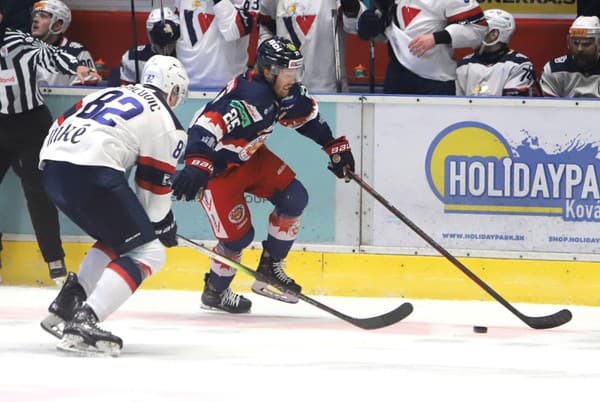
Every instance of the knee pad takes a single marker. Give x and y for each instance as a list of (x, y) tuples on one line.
[(291, 201), (150, 256)]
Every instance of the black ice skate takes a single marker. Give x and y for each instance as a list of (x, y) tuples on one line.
[(226, 300), (275, 276), (82, 335), (63, 306)]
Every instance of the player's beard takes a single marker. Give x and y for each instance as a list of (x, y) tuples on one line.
[(585, 62)]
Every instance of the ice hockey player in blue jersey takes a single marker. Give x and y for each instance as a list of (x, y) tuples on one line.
[(84, 160), (162, 37), (494, 69), (226, 158)]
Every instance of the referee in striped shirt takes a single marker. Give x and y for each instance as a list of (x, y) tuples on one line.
[(24, 123)]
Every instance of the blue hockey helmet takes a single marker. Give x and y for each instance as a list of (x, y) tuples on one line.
[(279, 53), (163, 33)]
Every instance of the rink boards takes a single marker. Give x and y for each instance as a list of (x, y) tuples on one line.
[(351, 274), (503, 184)]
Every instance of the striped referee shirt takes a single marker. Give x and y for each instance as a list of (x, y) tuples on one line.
[(20, 57)]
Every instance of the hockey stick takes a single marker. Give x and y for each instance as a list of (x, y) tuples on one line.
[(549, 321), (135, 42), (376, 322), (372, 66), (335, 26)]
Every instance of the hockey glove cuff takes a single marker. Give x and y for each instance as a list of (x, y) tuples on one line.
[(193, 178), (166, 230), (370, 24), (340, 156)]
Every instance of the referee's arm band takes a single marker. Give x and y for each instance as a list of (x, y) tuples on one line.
[(442, 37)]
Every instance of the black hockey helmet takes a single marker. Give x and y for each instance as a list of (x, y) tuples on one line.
[(279, 53)]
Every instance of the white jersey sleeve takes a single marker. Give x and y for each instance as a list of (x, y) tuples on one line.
[(213, 45), (120, 128), (462, 19), (309, 25)]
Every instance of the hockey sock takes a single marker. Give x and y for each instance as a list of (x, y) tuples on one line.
[(117, 283), (93, 266), (221, 274), (282, 234)]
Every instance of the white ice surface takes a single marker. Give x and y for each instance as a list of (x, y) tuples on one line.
[(173, 351)]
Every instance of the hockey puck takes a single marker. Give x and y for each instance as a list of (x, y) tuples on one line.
[(479, 330)]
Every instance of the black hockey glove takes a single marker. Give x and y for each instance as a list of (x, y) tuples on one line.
[(340, 156), (193, 179), (350, 8), (370, 24), (166, 230)]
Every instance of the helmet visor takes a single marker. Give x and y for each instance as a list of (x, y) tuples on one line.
[(291, 74)]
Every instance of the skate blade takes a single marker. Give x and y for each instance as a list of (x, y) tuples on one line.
[(54, 325), (75, 344), (263, 289)]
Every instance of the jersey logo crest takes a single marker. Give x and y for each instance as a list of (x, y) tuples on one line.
[(305, 22), (205, 20), (408, 14)]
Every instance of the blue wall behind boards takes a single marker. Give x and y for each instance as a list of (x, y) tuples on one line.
[(303, 155)]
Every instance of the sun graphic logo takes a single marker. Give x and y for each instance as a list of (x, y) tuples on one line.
[(472, 168)]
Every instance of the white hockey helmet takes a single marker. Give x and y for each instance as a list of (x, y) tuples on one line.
[(585, 27), (501, 21), (59, 12), (167, 74)]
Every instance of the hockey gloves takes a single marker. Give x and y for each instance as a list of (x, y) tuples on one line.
[(350, 8), (166, 230), (192, 179), (370, 24), (340, 156)]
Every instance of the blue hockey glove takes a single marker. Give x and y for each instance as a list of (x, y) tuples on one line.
[(192, 179), (350, 7), (340, 156), (370, 24), (166, 230)]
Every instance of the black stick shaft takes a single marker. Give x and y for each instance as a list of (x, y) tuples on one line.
[(135, 42)]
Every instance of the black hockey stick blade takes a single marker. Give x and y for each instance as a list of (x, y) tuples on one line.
[(545, 322), (380, 321)]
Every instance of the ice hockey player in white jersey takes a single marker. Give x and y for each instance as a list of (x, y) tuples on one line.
[(494, 69), (310, 25), (576, 74), (51, 18), (162, 36), (422, 36), (214, 39), (83, 160)]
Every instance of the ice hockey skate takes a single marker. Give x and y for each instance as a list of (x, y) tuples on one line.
[(83, 336), (278, 285), (226, 300), (63, 306)]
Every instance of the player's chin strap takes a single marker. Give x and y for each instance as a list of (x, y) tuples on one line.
[(550, 321)]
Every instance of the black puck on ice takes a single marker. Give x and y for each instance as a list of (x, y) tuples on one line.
[(479, 330)]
